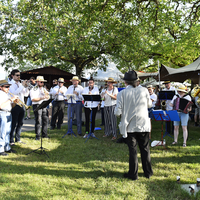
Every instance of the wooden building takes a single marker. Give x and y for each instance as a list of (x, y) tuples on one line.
[(50, 73)]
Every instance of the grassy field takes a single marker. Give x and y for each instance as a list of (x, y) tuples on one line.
[(94, 170)]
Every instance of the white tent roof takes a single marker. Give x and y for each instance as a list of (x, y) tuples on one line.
[(111, 71)]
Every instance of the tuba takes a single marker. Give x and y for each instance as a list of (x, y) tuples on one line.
[(195, 91)]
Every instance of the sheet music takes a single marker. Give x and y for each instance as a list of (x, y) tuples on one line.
[(71, 98)]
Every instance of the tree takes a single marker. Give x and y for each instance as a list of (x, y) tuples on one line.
[(85, 33)]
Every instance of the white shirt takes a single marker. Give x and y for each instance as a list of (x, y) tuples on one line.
[(154, 98), (168, 107), (90, 104), (4, 97), (108, 101), (78, 89), (18, 89), (37, 93), (60, 96), (132, 105)]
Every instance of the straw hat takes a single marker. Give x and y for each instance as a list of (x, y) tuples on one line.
[(182, 88), (40, 78), (150, 86), (111, 80), (75, 78), (61, 80), (4, 82)]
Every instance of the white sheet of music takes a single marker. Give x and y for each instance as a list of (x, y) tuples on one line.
[(71, 98)]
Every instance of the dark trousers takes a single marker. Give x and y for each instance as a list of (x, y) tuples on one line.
[(41, 118), (169, 127), (87, 119), (57, 113), (102, 116), (142, 138), (17, 123)]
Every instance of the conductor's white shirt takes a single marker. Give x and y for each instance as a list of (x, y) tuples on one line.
[(132, 106)]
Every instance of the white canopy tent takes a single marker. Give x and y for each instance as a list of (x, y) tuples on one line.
[(111, 71)]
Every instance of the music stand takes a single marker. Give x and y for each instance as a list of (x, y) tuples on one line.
[(166, 95), (71, 99), (164, 115), (91, 97), (44, 104)]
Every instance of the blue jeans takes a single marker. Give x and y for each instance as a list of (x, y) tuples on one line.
[(75, 108), (5, 127)]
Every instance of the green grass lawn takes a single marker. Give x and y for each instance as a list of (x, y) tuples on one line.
[(94, 170)]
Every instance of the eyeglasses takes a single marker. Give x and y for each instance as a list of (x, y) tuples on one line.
[(17, 74), (7, 86), (41, 82)]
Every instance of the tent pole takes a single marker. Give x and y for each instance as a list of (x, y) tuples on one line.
[(159, 74)]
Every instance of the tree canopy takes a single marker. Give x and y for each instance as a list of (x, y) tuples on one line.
[(85, 33)]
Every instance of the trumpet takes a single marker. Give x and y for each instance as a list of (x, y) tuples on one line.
[(19, 102)]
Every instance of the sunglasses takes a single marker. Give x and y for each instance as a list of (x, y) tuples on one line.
[(17, 74), (41, 82), (7, 86)]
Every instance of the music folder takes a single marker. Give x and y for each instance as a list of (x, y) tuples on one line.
[(43, 104), (91, 97), (166, 95)]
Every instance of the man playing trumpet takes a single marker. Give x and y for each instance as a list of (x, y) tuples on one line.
[(18, 111), (5, 118), (39, 94)]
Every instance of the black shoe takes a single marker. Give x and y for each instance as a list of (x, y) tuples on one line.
[(37, 138), (58, 127), (80, 134), (45, 136), (126, 175), (148, 176), (11, 151), (120, 140), (52, 128), (3, 154)]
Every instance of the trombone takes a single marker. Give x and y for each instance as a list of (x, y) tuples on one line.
[(19, 102)]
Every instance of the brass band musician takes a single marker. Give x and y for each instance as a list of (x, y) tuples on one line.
[(169, 124), (58, 94), (38, 94), (18, 112), (5, 118)]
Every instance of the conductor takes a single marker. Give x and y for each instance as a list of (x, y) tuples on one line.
[(132, 106)]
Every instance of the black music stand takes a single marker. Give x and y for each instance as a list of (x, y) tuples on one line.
[(71, 99), (91, 97), (44, 104), (166, 95), (164, 115)]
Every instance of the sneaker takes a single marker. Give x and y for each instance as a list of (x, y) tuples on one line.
[(93, 135), (85, 136), (113, 138), (27, 118), (20, 142), (105, 136)]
